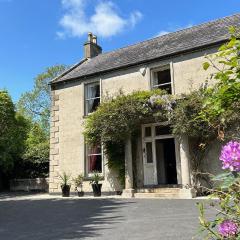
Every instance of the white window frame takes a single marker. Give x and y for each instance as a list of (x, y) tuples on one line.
[(86, 156), (159, 69), (86, 100)]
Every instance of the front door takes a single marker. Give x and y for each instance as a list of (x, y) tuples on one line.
[(159, 155)]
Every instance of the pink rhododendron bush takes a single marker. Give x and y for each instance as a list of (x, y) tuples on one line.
[(226, 225)]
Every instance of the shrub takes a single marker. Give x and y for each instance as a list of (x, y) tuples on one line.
[(226, 225)]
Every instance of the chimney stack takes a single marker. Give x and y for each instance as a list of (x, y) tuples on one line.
[(91, 48)]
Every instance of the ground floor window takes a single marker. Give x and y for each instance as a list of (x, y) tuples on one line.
[(94, 159)]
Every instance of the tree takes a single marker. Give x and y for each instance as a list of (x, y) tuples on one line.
[(35, 104), (13, 130)]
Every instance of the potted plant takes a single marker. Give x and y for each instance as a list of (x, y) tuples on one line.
[(65, 185), (97, 188), (78, 182)]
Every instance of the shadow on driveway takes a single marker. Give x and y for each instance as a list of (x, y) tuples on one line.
[(57, 219)]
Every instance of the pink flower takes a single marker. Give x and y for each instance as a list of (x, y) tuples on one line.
[(230, 156), (228, 228)]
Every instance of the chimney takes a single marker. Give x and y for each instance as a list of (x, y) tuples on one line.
[(91, 48)]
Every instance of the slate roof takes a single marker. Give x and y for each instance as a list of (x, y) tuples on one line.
[(188, 39)]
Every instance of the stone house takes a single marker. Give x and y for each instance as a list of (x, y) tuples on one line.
[(172, 62)]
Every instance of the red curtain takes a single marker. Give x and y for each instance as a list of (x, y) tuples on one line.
[(93, 159)]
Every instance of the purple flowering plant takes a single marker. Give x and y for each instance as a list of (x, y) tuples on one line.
[(228, 228), (230, 156), (226, 225)]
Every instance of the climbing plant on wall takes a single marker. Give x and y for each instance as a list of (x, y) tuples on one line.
[(120, 117)]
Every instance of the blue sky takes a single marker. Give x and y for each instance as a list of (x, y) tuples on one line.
[(37, 34)]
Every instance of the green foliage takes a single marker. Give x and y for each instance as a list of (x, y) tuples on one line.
[(35, 104), (228, 206), (78, 181), (115, 159), (13, 130), (96, 177), (221, 100), (65, 178), (36, 145), (186, 120), (117, 118)]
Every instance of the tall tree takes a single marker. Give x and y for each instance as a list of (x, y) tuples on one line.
[(35, 104), (13, 130)]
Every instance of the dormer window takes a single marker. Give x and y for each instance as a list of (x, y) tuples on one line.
[(92, 97), (161, 79)]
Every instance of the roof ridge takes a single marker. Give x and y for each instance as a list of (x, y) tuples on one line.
[(151, 39), (208, 33)]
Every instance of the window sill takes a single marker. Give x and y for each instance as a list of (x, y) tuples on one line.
[(89, 178)]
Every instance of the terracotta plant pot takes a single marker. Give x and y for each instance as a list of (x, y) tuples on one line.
[(65, 190), (97, 189)]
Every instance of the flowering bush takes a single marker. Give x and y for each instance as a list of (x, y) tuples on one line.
[(226, 225), (230, 156), (228, 228)]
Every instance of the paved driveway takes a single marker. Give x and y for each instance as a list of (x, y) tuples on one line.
[(101, 219)]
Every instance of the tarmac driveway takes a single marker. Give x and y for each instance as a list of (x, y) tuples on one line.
[(101, 219)]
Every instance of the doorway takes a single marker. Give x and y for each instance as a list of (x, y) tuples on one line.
[(160, 158), (166, 161)]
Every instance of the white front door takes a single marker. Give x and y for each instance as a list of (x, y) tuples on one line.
[(149, 159), (159, 155)]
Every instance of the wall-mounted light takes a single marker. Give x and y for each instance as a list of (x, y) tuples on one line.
[(143, 70)]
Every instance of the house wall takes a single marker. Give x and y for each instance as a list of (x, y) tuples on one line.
[(67, 121)]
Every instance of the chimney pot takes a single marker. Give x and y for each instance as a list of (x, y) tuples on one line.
[(90, 37), (91, 48), (94, 39)]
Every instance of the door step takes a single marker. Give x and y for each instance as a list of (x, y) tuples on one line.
[(165, 193)]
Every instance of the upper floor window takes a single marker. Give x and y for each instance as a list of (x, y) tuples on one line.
[(92, 97), (161, 79)]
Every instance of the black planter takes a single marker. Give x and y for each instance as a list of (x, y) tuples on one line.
[(81, 193), (97, 189), (65, 190)]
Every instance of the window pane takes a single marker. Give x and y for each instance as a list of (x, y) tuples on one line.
[(162, 130), (149, 152), (162, 77), (92, 97), (94, 159), (93, 90), (148, 131), (91, 105), (94, 163), (162, 80), (94, 150)]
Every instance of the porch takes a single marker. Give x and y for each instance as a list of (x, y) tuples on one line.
[(160, 165)]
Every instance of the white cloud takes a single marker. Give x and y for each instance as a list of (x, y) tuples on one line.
[(172, 29), (104, 22)]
